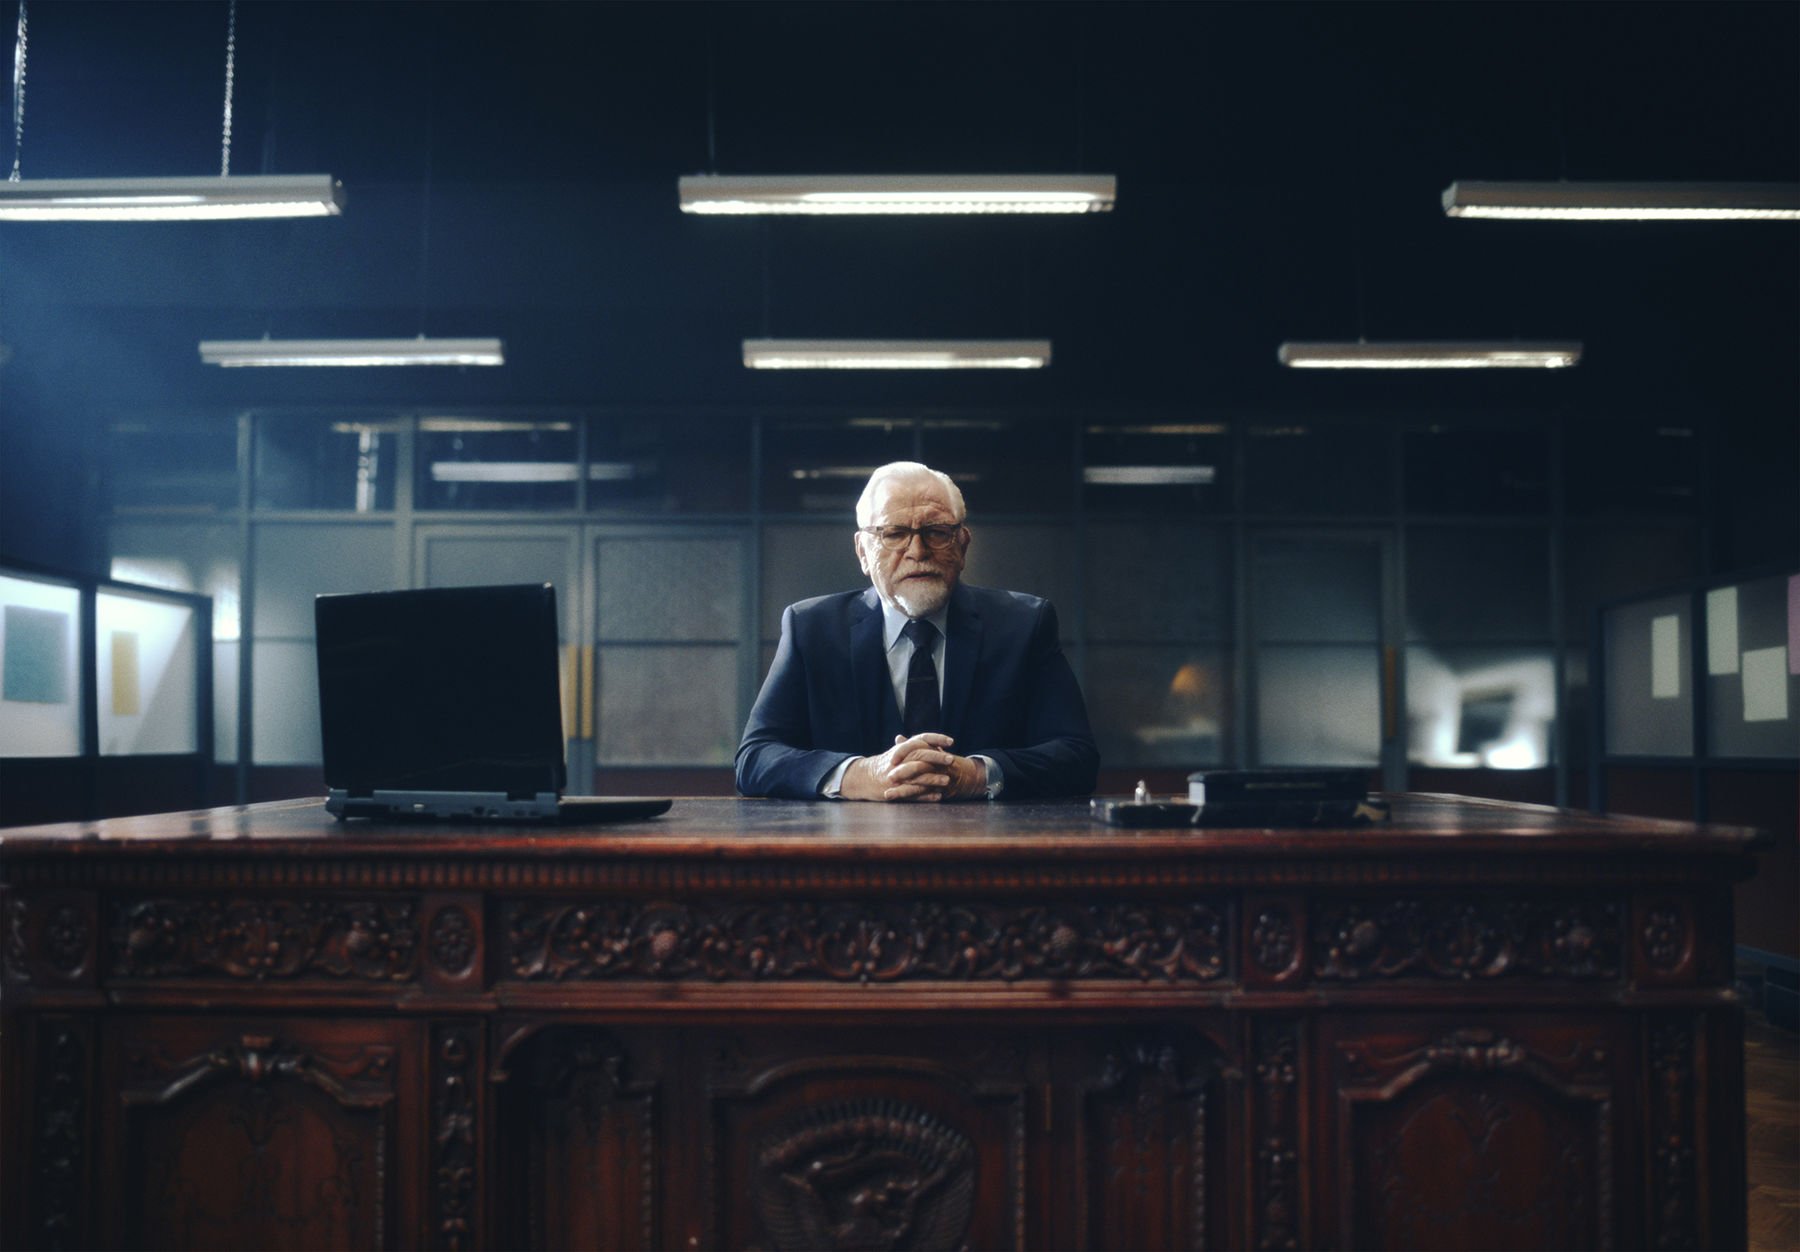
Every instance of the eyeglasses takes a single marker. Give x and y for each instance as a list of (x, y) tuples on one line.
[(897, 538)]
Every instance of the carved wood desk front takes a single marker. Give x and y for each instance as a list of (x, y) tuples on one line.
[(765, 1024)]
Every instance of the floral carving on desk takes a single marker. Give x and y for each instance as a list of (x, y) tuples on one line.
[(453, 943), (1672, 1048), (1666, 936), (259, 940), (1468, 939), (57, 944), (60, 1167), (863, 941), (1274, 941), (1275, 1070)]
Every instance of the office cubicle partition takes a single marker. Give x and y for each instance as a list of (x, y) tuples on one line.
[(1698, 697), (105, 698)]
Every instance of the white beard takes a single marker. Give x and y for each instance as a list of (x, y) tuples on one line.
[(920, 599)]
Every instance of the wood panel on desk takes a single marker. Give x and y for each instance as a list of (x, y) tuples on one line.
[(272, 1133), (775, 1025)]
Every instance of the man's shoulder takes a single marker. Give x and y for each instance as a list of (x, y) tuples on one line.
[(837, 601), (997, 600), (839, 606)]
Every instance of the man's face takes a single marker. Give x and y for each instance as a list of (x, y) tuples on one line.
[(916, 579)]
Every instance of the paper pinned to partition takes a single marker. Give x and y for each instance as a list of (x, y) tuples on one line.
[(1722, 630), (126, 701), (1765, 685), (1665, 657)]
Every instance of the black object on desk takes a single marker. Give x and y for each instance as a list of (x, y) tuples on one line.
[(1243, 798)]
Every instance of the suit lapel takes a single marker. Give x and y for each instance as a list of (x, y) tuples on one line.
[(877, 712), (962, 647)]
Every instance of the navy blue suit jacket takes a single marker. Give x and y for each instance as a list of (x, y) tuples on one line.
[(1008, 694)]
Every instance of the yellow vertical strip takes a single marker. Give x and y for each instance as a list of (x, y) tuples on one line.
[(1390, 692), (571, 681), (126, 701), (587, 691)]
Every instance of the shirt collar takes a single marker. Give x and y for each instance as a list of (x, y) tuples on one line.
[(893, 621)]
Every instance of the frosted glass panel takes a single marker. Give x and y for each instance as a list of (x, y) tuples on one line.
[(799, 560), (40, 683), (1649, 689), (1158, 706), (1490, 707), (687, 589), (1038, 560), (148, 684), (1478, 585), (1753, 693), (668, 706), (225, 701), (285, 715), (297, 563), (1316, 590), (1318, 706), (182, 556), (1157, 583), (464, 560)]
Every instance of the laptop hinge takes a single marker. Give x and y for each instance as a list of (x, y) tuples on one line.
[(487, 806)]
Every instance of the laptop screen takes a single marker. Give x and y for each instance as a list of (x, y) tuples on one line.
[(441, 689)]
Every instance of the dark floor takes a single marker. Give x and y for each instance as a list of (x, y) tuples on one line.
[(1772, 1134)]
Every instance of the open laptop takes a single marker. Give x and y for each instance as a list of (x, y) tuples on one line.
[(444, 704)]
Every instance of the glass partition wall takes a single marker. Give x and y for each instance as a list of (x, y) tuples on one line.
[(1411, 597), (105, 698)]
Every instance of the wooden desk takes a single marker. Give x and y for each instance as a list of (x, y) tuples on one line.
[(755, 1023)]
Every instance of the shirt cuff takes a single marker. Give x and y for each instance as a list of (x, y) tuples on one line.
[(996, 781), (832, 785)]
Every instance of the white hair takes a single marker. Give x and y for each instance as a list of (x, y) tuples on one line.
[(865, 503)]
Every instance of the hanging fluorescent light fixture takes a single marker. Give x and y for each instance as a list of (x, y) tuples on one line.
[(420, 351), (170, 199), (896, 354), (1430, 355), (898, 193), (161, 199), (1623, 201)]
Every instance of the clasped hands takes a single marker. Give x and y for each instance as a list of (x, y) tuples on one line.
[(919, 769)]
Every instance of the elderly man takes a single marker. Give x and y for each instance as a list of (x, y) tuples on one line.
[(920, 687)]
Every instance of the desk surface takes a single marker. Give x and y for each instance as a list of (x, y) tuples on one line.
[(756, 828), (760, 844)]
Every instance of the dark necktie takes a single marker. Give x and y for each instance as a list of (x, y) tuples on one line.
[(921, 681)]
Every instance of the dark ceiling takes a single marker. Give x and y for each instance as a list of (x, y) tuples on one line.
[(511, 170)]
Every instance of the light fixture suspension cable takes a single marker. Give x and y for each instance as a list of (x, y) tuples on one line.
[(712, 102), (765, 281), (18, 96), (425, 190), (1080, 93), (230, 81)]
